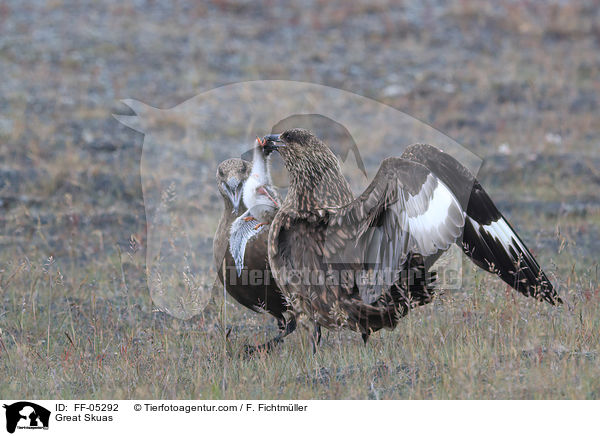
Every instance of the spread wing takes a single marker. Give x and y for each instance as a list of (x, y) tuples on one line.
[(405, 211), (241, 232), (488, 239)]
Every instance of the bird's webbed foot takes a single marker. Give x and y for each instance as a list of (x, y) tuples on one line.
[(285, 328), (259, 225), (267, 347)]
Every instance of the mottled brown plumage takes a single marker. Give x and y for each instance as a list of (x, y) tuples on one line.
[(256, 292), (399, 226)]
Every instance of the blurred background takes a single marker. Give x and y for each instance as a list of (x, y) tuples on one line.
[(515, 82)]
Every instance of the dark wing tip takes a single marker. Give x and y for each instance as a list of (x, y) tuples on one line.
[(550, 295)]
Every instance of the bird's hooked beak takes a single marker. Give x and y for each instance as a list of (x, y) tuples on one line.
[(271, 143), (233, 188)]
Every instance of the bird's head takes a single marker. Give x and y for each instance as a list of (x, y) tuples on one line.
[(316, 179), (299, 148), (231, 175)]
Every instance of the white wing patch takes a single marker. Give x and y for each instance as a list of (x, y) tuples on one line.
[(501, 232), (425, 223), (434, 217)]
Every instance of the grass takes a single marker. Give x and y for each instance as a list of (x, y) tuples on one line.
[(92, 333), (77, 320)]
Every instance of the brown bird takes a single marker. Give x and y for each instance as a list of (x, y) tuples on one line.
[(323, 242), (258, 290)]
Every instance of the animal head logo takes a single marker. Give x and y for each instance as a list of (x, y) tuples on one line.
[(26, 415), (183, 146)]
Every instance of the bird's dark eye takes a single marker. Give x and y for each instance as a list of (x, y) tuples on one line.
[(221, 173)]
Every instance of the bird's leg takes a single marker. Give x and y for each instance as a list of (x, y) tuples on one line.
[(315, 338), (285, 328), (259, 225), (249, 218)]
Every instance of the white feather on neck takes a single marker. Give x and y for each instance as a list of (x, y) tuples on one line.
[(260, 176)]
